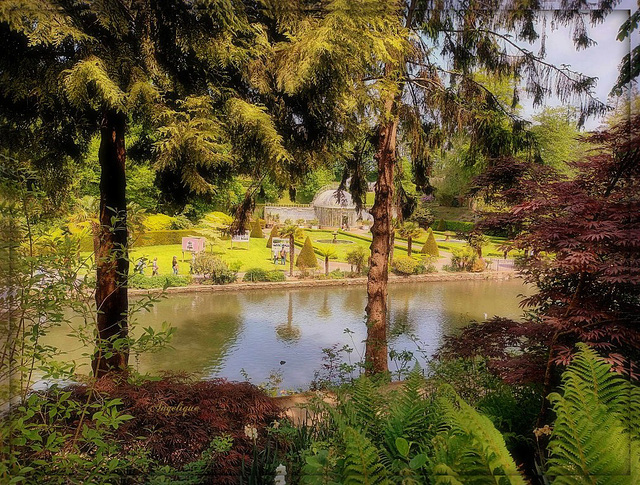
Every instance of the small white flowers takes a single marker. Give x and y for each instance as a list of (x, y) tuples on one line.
[(275, 424), (251, 432)]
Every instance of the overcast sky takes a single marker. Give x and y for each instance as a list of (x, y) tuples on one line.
[(601, 60)]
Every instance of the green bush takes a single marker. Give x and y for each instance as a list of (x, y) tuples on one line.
[(213, 269), (161, 238), (462, 259), (307, 257), (275, 232), (404, 265), (455, 226), (357, 257), (256, 230), (430, 247), (157, 222), (259, 274), (159, 281)]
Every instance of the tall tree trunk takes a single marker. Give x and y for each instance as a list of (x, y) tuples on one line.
[(409, 242), (112, 257), (292, 249), (376, 342), (326, 265)]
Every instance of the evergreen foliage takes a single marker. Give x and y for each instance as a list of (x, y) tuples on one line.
[(307, 257), (275, 232), (256, 230), (442, 225), (430, 247)]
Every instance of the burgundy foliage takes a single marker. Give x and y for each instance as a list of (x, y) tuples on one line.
[(175, 437), (582, 236)]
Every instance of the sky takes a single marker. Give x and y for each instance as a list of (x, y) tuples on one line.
[(601, 61)]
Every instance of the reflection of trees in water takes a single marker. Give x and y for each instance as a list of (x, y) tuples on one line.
[(401, 321), (354, 300), (287, 331), (204, 332), (325, 309)]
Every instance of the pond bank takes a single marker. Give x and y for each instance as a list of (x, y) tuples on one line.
[(393, 279)]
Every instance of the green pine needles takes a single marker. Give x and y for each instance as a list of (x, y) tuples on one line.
[(307, 257), (430, 247)]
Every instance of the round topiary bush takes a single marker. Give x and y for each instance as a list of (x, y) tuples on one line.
[(430, 247), (307, 257)]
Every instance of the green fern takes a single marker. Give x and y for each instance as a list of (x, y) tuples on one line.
[(595, 435), (471, 447), (361, 460)]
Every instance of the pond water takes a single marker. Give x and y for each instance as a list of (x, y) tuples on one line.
[(261, 331)]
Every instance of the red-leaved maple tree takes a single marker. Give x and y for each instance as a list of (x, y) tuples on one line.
[(581, 234)]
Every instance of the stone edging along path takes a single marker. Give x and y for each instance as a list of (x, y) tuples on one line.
[(242, 286)]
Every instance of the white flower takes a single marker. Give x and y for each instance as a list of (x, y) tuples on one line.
[(251, 432)]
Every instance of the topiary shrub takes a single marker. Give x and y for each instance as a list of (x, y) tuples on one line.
[(442, 225), (213, 269), (404, 265), (430, 247), (307, 257), (256, 230), (275, 232)]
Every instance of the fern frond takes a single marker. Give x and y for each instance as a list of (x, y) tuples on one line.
[(597, 415), (361, 460), (486, 458)]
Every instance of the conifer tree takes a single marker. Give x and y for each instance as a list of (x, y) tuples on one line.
[(90, 67), (256, 230), (430, 247), (307, 257), (410, 66), (275, 232)]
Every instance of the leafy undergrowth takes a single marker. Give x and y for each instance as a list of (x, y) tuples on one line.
[(161, 431)]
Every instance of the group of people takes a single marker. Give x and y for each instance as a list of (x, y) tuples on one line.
[(141, 264), (280, 256)]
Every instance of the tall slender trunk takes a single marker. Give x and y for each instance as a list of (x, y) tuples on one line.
[(112, 254), (409, 242), (326, 265), (376, 342), (392, 243), (292, 249)]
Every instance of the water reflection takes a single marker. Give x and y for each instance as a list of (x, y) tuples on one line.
[(218, 334)]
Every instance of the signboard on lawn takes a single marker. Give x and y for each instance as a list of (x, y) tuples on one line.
[(193, 244), (278, 243), (240, 237)]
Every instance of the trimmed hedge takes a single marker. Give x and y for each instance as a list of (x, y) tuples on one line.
[(160, 281), (259, 274), (307, 257), (256, 230), (275, 232), (430, 246), (455, 226)]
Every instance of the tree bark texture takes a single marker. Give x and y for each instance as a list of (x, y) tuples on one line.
[(112, 258), (409, 243), (292, 249), (376, 342)]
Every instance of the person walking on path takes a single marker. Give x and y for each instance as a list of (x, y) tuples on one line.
[(154, 267), (174, 265)]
